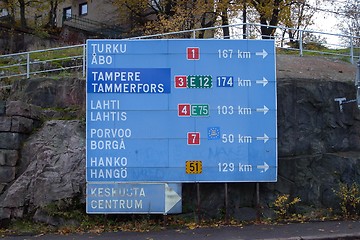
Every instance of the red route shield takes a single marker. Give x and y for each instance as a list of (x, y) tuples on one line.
[(193, 53), (180, 81), (184, 110), (193, 138)]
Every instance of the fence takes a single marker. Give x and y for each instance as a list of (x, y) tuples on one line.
[(95, 27), (42, 61), (72, 58)]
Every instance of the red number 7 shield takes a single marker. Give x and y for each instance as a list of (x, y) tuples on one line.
[(193, 138)]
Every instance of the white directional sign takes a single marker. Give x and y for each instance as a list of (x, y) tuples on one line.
[(139, 198), (172, 197)]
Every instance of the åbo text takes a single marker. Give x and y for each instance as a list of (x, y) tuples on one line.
[(102, 54)]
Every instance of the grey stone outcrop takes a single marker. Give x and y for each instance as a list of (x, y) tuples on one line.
[(17, 121), (67, 94), (55, 160)]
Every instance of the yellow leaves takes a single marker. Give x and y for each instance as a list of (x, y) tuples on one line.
[(282, 205), (97, 229), (211, 223), (279, 11), (349, 199), (192, 226), (65, 230), (133, 5), (233, 222), (184, 15), (155, 16)]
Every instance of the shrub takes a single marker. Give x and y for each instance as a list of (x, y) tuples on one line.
[(283, 204), (349, 199)]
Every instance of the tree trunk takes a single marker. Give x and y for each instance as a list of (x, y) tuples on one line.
[(52, 13), (244, 19), (267, 29), (22, 14), (225, 22), (208, 20)]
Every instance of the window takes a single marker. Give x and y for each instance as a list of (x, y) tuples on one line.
[(83, 9), (4, 12), (67, 13)]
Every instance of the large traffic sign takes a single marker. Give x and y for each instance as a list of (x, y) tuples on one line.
[(181, 111)]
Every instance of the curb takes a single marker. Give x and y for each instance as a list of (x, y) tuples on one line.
[(325, 237)]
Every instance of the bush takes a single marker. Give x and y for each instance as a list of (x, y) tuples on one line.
[(349, 199), (282, 206)]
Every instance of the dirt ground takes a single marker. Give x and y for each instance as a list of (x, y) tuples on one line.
[(311, 67)]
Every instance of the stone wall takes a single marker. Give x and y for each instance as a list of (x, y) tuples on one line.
[(17, 121)]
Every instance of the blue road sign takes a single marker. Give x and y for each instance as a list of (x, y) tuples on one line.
[(139, 198), (181, 111)]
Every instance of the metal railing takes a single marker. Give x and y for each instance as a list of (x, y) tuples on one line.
[(72, 58), (41, 62), (89, 25)]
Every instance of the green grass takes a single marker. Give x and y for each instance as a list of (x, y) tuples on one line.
[(340, 54), (56, 54), (27, 227), (43, 60)]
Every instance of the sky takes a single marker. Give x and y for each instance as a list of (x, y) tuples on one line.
[(326, 22)]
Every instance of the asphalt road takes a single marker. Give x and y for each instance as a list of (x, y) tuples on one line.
[(313, 230)]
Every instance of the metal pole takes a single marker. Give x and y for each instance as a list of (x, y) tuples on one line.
[(358, 97), (357, 83), (226, 204), (351, 50), (198, 202), (247, 26), (165, 220), (357, 77), (301, 43), (28, 65), (84, 60), (258, 201)]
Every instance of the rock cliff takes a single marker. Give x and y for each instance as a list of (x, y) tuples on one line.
[(42, 154)]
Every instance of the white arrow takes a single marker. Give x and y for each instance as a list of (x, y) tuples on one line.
[(263, 168), (264, 110), (263, 53), (265, 138), (264, 82), (171, 198)]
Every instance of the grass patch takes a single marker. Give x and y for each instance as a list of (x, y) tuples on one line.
[(339, 54), (56, 54), (27, 227), (42, 61)]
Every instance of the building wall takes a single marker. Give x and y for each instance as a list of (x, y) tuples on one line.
[(102, 11)]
